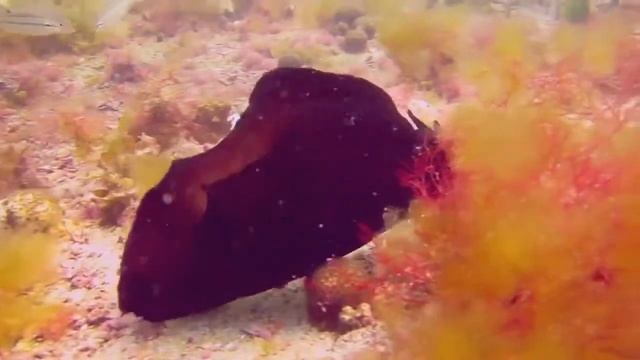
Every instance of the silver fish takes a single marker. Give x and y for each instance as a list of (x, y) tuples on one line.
[(114, 11), (34, 23)]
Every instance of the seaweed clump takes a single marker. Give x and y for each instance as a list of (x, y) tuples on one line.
[(531, 252), (30, 228), (424, 43), (12, 159)]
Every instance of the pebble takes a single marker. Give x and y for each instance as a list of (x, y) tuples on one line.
[(355, 41), (78, 322), (42, 355), (98, 320), (88, 348), (231, 346), (121, 323), (75, 296), (264, 331), (83, 280)]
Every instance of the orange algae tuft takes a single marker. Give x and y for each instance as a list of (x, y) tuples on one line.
[(483, 134), (557, 253), (422, 43), (499, 67), (532, 252)]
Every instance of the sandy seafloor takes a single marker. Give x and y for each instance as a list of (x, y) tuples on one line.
[(271, 325)]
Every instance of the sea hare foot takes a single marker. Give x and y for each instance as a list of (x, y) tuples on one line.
[(312, 160)]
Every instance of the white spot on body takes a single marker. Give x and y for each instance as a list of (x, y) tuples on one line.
[(167, 198), (320, 226), (350, 120)]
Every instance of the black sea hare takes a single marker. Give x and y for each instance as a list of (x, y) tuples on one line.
[(313, 158)]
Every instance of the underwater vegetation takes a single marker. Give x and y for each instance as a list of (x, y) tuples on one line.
[(531, 252), (30, 232), (576, 10), (312, 159)]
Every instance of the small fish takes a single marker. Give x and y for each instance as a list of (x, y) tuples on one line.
[(40, 22), (114, 11)]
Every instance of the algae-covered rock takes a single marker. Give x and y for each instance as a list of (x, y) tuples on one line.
[(30, 229), (355, 41), (291, 61), (33, 210), (366, 24), (347, 15), (576, 11), (340, 28)]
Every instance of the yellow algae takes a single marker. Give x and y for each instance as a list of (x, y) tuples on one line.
[(275, 8), (312, 54), (22, 317), (500, 70), (511, 44), (30, 232), (504, 144), (313, 13), (147, 170), (566, 41), (418, 40), (206, 7), (601, 46), (25, 258)]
